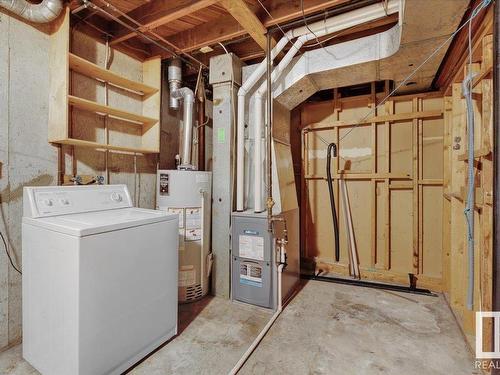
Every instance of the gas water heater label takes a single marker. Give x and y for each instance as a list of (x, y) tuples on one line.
[(180, 212), (193, 218), (251, 247), (164, 177), (187, 276)]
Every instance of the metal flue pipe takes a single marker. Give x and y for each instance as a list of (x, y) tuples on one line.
[(46, 11), (185, 95)]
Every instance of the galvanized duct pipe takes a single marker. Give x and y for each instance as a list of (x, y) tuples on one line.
[(178, 93), (46, 11)]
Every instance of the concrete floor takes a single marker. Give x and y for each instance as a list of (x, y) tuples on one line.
[(326, 329)]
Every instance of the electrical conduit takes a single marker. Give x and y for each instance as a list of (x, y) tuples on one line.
[(469, 208)]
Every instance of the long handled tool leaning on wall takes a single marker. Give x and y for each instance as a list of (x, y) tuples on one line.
[(332, 150)]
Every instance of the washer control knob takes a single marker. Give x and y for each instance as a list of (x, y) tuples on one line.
[(48, 202), (116, 197)]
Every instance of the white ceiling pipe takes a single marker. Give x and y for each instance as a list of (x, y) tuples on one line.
[(46, 11), (334, 24), (240, 134), (331, 25)]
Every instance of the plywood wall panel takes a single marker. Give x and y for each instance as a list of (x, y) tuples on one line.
[(393, 171), (359, 193), (401, 230), (432, 231), (355, 149), (401, 148), (432, 153)]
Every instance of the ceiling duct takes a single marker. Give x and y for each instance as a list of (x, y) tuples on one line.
[(46, 11)]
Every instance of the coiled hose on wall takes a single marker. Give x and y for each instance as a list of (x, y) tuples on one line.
[(332, 147)]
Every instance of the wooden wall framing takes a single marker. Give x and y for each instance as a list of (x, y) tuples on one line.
[(405, 166), (392, 165), (456, 270)]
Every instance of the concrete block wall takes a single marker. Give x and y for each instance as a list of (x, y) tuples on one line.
[(26, 158)]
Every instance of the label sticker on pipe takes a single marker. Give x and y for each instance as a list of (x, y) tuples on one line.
[(221, 135), (251, 247)]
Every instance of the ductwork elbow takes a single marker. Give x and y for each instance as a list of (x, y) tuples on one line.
[(46, 11)]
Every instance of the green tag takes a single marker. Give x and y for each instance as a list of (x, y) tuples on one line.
[(221, 135)]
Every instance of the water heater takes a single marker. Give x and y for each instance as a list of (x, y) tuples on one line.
[(188, 193)]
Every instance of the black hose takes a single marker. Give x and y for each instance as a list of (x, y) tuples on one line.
[(333, 146)]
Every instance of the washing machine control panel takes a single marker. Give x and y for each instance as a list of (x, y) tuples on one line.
[(61, 200)]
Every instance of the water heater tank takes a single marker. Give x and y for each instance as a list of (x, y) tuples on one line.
[(189, 194)]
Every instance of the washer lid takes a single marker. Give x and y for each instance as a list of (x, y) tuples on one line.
[(88, 223)]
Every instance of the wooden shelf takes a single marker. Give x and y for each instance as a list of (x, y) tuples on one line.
[(89, 105), (96, 145), (85, 67)]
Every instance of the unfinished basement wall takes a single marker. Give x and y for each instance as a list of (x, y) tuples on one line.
[(90, 126), (456, 185), (392, 167), (26, 157)]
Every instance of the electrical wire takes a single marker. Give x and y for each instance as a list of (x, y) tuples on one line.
[(224, 48), (271, 16), (8, 254), (307, 26), (474, 13)]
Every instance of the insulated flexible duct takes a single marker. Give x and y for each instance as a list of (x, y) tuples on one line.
[(46, 11)]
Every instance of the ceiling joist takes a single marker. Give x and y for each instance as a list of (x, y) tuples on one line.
[(157, 13), (242, 13), (227, 28)]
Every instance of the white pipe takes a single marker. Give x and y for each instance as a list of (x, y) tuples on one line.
[(46, 11), (322, 28), (240, 135), (264, 331)]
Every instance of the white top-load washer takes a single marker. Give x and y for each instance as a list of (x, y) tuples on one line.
[(99, 279)]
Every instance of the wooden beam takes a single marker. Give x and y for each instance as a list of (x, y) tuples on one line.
[(242, 13), (157, 13), (226, 28), (457, 53)]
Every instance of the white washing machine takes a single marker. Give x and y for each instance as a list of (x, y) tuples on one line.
[(99, 279)]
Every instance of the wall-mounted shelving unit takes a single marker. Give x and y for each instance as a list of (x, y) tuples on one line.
[(85, 67), (147, 91)]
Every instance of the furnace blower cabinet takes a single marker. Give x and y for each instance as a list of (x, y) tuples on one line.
[(254, 276)]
